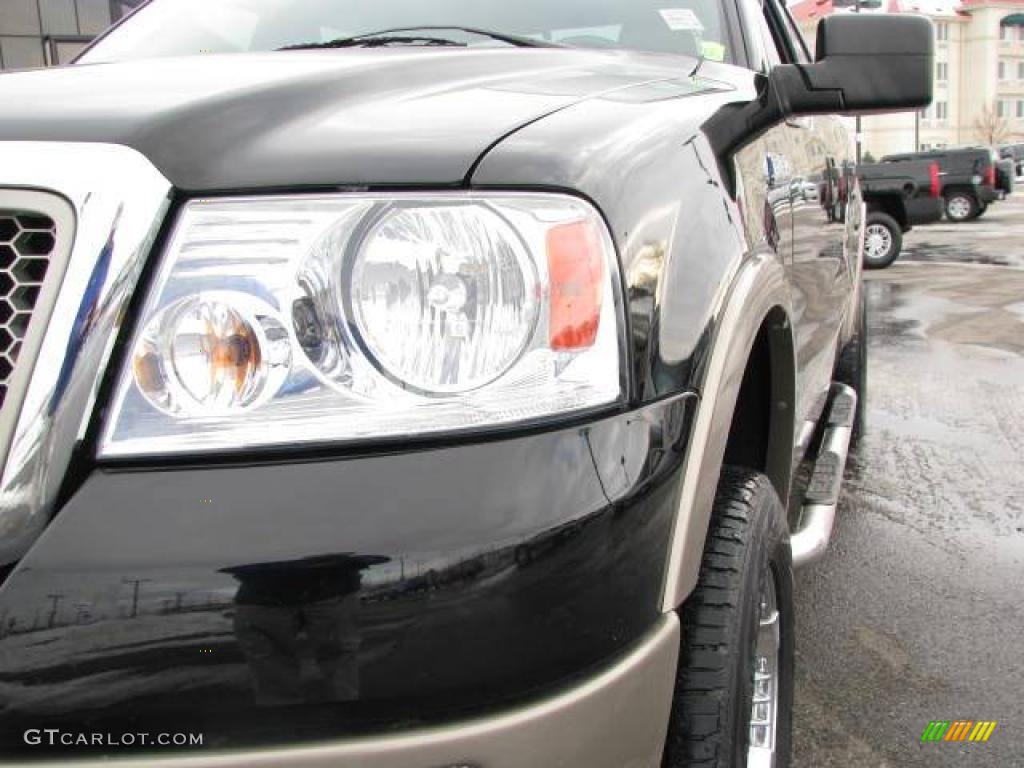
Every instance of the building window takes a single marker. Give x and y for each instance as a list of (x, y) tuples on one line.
[(941, 110), (19, 17), (36, 33), (942, 71), (1001, 109), (1020, 70), (62, 49), (93, 16), (22, 52), (942, 31), (58, 17), (1011, 28), (1020, 109), (120, 8), (1002, 70)]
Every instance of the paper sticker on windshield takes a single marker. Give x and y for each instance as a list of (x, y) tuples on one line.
[(712, 51), (679, 19)]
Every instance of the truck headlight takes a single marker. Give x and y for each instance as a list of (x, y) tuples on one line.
[(444, 298), (289, 320)]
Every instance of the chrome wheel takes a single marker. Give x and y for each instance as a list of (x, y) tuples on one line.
[(877, 242), (764, 707), (958, 207)]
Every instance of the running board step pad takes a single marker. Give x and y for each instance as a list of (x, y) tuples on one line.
[(844, 408), (826, 479), (810, 540)]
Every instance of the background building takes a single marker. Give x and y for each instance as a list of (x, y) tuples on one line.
[(979, 73), (37, 33)]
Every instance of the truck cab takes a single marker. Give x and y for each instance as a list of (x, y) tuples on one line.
[(417, 384)]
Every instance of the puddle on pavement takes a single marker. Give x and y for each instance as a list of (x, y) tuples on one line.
[(948, 253)]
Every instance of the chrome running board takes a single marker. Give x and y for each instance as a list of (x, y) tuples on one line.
[(810, 540)]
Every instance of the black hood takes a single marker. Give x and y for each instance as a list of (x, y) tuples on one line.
[(316, 118)]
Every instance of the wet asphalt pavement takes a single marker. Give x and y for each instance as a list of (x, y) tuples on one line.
[(917, 613)]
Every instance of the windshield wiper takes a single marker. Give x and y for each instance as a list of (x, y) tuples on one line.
[(376, 41), (391, 37)]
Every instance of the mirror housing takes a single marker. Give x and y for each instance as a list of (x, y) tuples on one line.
[(865, 63)]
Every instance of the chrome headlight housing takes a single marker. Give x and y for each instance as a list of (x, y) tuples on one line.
[(311, 319)]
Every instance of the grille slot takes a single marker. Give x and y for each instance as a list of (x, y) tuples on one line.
[(27, 243)]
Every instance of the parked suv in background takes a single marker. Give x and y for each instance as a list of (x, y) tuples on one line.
[(426, 383), (968, 176)]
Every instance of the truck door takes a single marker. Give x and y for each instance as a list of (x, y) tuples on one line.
[(823, 269), (765, 164)]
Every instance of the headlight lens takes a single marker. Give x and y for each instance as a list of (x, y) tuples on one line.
[(206, 354), (346, 317), (445, 298)]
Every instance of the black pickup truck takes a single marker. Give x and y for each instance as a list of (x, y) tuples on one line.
[(416, 383), (898, 196), (969, 177)]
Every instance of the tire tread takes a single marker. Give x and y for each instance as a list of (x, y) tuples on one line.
[(709, 617)]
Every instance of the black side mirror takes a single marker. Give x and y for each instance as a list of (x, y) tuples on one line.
[(865, 63)]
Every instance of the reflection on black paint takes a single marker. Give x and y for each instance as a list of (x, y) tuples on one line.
[(278, 604), (453, 581)]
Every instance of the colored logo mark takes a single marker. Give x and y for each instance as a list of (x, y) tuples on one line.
[(958, 730)]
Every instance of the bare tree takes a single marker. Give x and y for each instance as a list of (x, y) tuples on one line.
[(990, 127)]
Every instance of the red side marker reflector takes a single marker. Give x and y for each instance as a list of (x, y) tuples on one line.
[(576, 270)]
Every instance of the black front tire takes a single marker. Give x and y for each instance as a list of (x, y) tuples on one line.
[(748, 541)]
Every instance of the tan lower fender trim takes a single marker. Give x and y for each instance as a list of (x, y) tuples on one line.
[(616, 719), (758, 289)]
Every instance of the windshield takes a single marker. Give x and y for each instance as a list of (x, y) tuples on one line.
[(188, 27)]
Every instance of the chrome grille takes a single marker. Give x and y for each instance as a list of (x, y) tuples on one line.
[(27, 242), (106, 203)]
